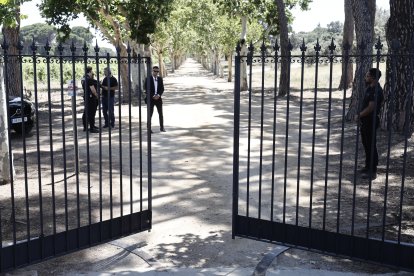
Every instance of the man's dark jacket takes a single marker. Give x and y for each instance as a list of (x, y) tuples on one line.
[(160, 89)]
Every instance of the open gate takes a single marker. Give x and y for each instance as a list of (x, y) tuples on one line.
[(296, 159), (70, 188)]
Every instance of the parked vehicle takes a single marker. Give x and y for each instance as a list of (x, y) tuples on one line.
[(21, 117)]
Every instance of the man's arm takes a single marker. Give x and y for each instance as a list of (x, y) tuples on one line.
[(93, 90), (367, 110), (160, 86)]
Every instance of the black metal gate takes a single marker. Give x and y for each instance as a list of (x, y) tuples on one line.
[(69, 187), (296, 159)]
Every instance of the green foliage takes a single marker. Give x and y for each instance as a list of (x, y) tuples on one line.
[(9, 9), (320, 34), (381, 19), (262, 11), (138, 17), (54, 70), (41, 33)]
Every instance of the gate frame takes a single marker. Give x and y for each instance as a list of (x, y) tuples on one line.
[(16, 254), (388, 253)]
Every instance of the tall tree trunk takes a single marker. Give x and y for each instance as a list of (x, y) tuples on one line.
[(400, 27), (124, 76), (348, 39), (172, 62), (13, 81), (161, 64), (5, 176), (243, 53), (284, 41), (230, 67), (135, 67), (364, 15)]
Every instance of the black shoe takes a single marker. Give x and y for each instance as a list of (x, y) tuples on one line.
[(94, 130), (84, 128), (105, 126), (363, 170), (162, 129), (152, 132), (368, 176)]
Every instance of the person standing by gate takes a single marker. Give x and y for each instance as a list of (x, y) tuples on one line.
[(91, 100), (108, 97), (156, 90), (369, 119)]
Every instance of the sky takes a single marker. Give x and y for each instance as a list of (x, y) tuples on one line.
[(321, 12), (33, 16)]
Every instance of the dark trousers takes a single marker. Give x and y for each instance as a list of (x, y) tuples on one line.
[(108, 110), (91, 104), (369, 141), (158, 104)]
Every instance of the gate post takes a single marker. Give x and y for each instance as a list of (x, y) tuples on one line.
[(148, 95), (6, 164), (236, 138)]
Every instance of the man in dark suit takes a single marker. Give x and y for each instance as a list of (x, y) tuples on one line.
[(156, 91), (89, 85)]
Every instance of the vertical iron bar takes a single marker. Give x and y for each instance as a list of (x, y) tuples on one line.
[(345, 57), (2, 89), (52, 166), (359, 103), (378, 46), (302, 73), (39, 167), (110, 152), (289, 57), (98, 91), (140, 135), (328, 134), (130, 127), (317, 48), (276, 57), (108, 61), (263, 52), (149, 98), (120, 99), (26, 184), (249, 125), (87, 99), (138, 61), (75, 142), (236, 140), (65, 182)]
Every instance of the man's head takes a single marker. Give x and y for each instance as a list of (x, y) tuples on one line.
[(372, 76), (155, 71), (89, 71), (107, 72)]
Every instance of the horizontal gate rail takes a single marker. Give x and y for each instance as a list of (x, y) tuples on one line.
[(72, 185), (300, 144)]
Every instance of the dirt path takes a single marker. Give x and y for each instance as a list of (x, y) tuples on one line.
[(192, 175)]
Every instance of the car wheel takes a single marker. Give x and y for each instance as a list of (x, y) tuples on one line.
[(18, 128)]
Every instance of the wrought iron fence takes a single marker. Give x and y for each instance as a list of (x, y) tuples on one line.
[(69, 187), (297, 157)]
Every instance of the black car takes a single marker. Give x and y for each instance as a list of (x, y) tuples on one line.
[(21, 117)]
